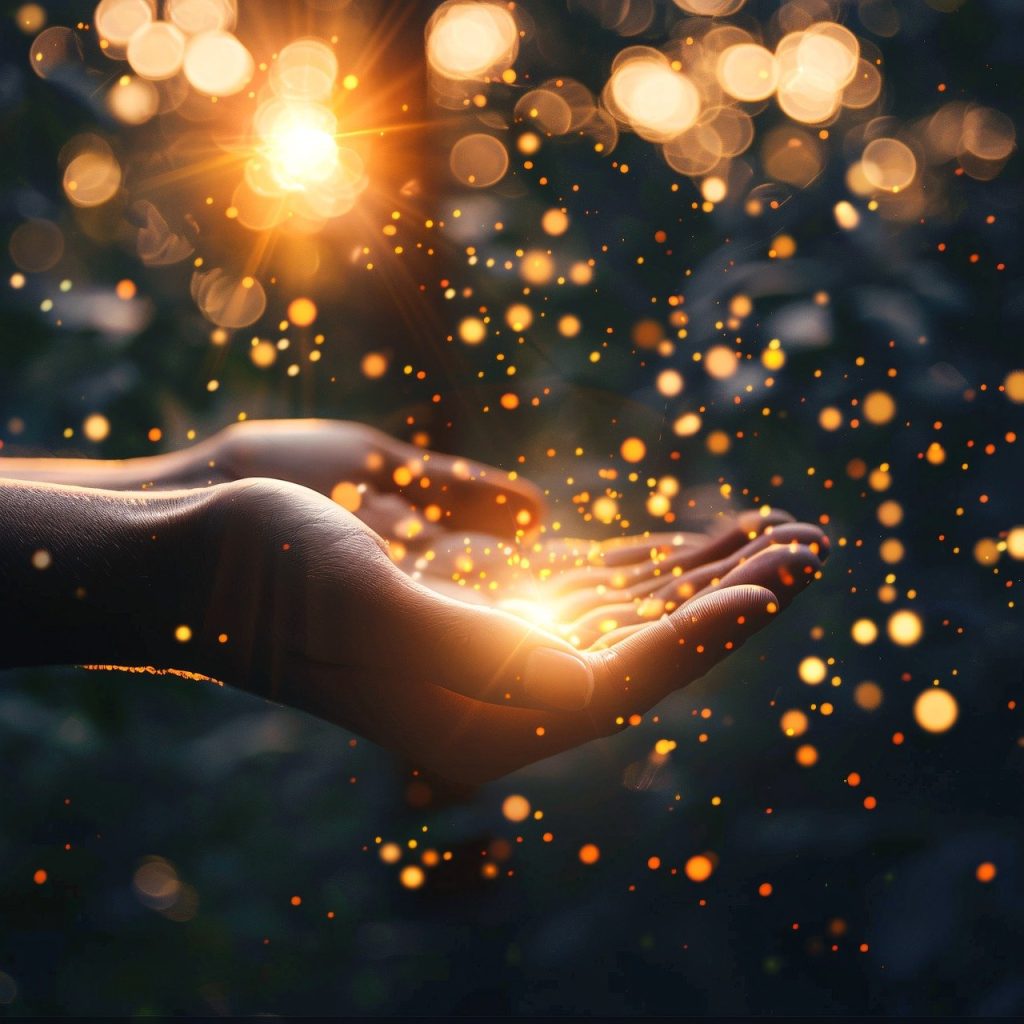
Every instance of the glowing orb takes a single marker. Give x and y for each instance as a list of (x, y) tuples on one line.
[(936, 710), (300, 144), (472, 41), (655, 101), (217, 64)]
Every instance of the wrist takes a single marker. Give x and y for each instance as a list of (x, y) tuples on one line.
[(98, 577)]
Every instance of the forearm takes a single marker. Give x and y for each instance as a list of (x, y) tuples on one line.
[(97, 577), (191, 467)]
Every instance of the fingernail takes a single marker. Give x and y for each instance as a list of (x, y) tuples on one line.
[(558, 680)]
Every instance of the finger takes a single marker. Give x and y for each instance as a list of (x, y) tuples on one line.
[(671, 653), (470, 495), (682, 587)]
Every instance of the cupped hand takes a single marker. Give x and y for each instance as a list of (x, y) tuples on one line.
[(305, 607), (408, 495)]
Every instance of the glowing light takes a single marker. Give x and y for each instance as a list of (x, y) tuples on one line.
[(472, 41), (806, 756), (96, 427), (793, 723), (864, 631), (748, 72), (195, 16), (92, 178), (812, 670), (633, 449), (555, 222), (655, 101), (699, 868), (905, 628), (302, 312), (472, 330), (299, 143), (936, 710), (589, 853), (986, 872), (478, 160), (133, 100), (888, 164), (878, 407), (117, 21), (412, 876), (516, 808), (304, 70), (156, 51), (868, 696), (217, 64)]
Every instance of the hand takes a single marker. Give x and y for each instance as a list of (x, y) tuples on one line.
[(305, 607)]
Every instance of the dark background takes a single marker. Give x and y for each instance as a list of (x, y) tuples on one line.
[(253, 805)]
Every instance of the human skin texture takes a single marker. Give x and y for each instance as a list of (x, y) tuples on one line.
[(261, 581)]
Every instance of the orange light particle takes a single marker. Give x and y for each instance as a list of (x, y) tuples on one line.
[(633, 449), (296, 901), (302, 312), (985, 873), (589, 853), (654, 863), (41, 876), (699, 868), (806, 756), (125, 290), (764, 889)]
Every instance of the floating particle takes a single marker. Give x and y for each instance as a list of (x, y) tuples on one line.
[(720, 362), (864, 631), (537, 267), (96, 427), (569, 325), (555, 222), (1015, 543), (812, 670), (647, 94), (806, 755), (374, 365), (793, 722), (390, 853), (878, 407), (182, 633), (905, 627), (519, 316), (986, 872), (156, 51), (472, 330), (472, 41), (412, 876), (302, 312), (687, 425), (669, 383), (633, 449), (936, 710), (41, 559), (478, 160), (589, 853), (846, 215), (889, 164), (217, 64), (515, 808), (748, 72), (700, 867), (193, 16), (347, 495), (1014, 385)]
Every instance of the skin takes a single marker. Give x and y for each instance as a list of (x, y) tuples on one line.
[(343, 614)]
